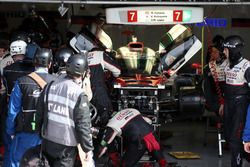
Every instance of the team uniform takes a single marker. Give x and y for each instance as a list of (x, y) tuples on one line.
[(137, 135), (236, 101), (236, 97), (214, 84), (98, 61), (21, 116)]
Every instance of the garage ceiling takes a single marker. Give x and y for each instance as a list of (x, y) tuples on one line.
[(139, 2)]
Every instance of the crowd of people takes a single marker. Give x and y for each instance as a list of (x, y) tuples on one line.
[(47, 94)]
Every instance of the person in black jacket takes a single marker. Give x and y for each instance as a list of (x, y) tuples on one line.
[(16, 65), (99, 61), (64, 114), (20, 123)]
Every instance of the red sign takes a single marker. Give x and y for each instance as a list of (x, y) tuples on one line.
[(178, 15), (132, 16)]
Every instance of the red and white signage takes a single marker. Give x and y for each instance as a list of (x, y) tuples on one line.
[(155, 15)]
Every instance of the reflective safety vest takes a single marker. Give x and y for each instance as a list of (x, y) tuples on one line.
[(62, 97)]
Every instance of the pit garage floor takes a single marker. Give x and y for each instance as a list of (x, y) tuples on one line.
[(189, 136)]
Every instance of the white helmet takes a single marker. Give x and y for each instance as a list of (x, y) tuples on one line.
[(18, 47)]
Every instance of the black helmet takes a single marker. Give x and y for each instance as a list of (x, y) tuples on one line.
[(62, 56), (43, 57), (77, 64), (218, 42), (235, 44)]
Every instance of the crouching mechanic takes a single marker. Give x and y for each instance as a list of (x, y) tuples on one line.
[(63, 111), (137, 135), (21, 117)]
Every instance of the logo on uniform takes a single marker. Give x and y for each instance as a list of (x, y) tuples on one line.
[(36, 93)]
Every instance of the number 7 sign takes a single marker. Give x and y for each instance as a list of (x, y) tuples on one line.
[(132, 16), (177, 15)]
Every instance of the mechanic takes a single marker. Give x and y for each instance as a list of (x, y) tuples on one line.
[(99, 61), (236, 96), (214, 76), (137, 135), (21, 66), (20, 123), (67, 121)]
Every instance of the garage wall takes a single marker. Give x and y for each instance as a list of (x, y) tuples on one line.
[(150, 35)]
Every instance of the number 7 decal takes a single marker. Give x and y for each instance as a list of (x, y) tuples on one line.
[(132, 16), (177, 15)]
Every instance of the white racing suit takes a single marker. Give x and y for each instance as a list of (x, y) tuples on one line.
[(235, 111), (137, 136)]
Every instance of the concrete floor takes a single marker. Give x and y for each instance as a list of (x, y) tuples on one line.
[(189, 136)]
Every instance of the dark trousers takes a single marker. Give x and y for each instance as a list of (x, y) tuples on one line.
[(234, 122), (59, 155), (103, 104), (135, 150)]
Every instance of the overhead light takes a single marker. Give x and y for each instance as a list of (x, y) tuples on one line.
[(62, 10)]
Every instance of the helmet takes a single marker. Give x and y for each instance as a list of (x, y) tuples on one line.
[(235, 44), (233, 41), (218, 42), (18, 47), (62, 56), (77, 64), (43, 57)]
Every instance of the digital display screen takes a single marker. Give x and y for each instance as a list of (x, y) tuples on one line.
[(155, 15), (159, 16)]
